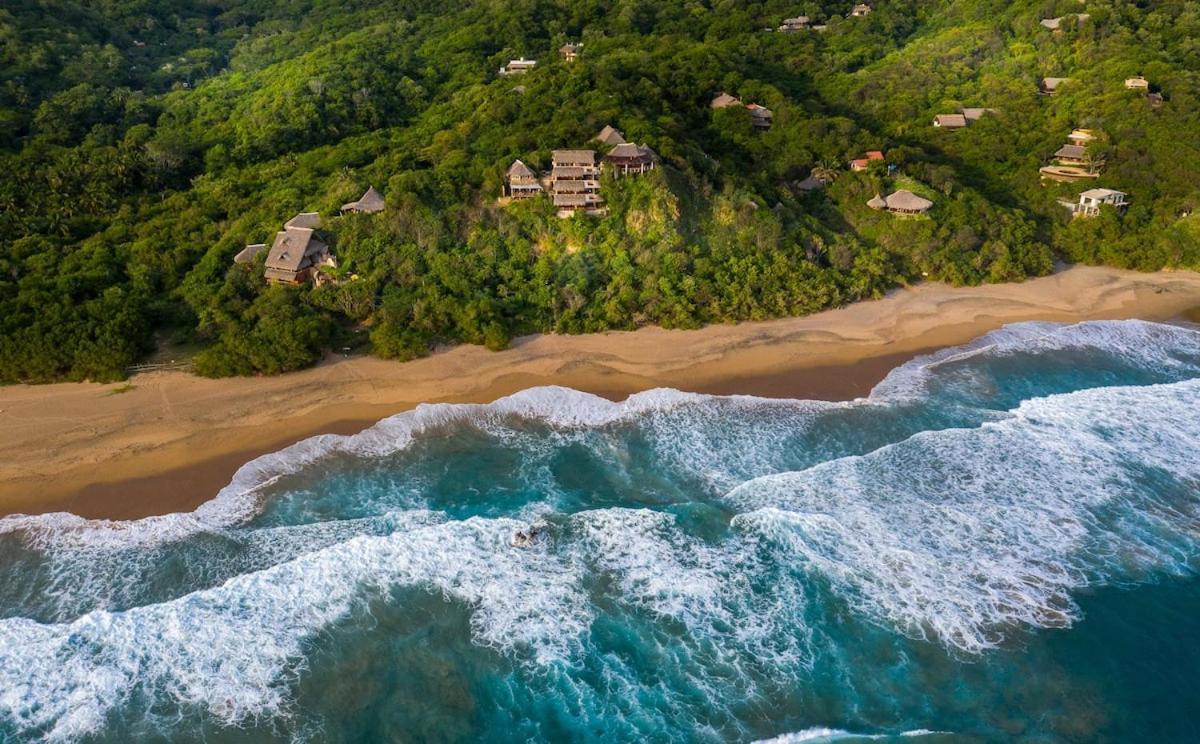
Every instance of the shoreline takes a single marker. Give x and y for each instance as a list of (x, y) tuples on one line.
[(173, 440)]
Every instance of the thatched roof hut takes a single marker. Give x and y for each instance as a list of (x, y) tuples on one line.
[(906, 202), (724, 100), (371, 202), (310, 220), (294, 254), (610, 135), (877, 202), (950, 121), (249, 253)]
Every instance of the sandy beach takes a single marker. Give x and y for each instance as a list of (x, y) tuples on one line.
[(168, 441)]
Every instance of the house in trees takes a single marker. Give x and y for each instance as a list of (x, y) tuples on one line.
[(1056, 24), (973, 115), (799, 23), (1092, 200), (296, 255), (570, 51), (370, 202), (1073, 155), (522, 182), (575, 182), (1081, 137), (1137, 83), (949, 121), (861, 10), (249, 253), (901, 202), (1049, 85), (760, 116), (610, 136), (861, 164), (518, 66), (629, 159)]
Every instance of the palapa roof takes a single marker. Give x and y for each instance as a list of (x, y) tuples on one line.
[(1137, 82), (294, 249), (724, 100), (1051, 83), (569, 47), (370, 202), (797, 21), (877, 202), (574, 200), (610, 135), (907, 201), (249, 253), (1082, 135), (950, 121), (1071, 152), (630, 151), (518, 169), (574, 157), (1052, 23), (974, 114), (310, 220)]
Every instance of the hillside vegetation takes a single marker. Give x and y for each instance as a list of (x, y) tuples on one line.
[(145, 142)]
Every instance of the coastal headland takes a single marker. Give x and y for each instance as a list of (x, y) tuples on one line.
[(168, 441)]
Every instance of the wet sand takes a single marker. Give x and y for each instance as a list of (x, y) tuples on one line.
[(173, 440)]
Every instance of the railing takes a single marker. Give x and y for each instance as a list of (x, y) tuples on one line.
[(134, 369)]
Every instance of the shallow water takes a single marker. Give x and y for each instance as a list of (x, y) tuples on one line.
[(999, 543)]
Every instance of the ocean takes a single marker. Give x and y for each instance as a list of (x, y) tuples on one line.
[(1000, 543)]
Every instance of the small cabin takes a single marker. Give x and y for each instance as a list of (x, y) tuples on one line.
[(949, 121), (371, 202), (1091, 200), (760, 116), (295, 255), (570, 51), (610, 136), (861, 10), (973, 115), (518, 66), (799, 23), (861, 164), (522, 181), (1081, 137), (629, 159)]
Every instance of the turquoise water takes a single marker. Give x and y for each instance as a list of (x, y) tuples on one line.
[(1000, 543)]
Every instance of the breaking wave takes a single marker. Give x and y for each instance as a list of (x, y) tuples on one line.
[(697, 563)]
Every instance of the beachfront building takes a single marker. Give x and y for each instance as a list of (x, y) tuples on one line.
[(518, 66), (1050, 85), (799, 23), (1137, 83), (522, 182), (249, 253), (949, 121), (370, 202), (629, 159), (861, 10), (610, 136), (863, 163), (570, 51), (296, 255), (575, 182), (760, 116), (1092, 200), (901, 202)]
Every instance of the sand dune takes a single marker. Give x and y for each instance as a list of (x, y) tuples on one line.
[(173, 440)]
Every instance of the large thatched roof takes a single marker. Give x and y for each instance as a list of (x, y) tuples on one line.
[(611, 136), (370, 203), (907, 201), (311, 220), (519, 170), (294, 249), (574, 157)]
